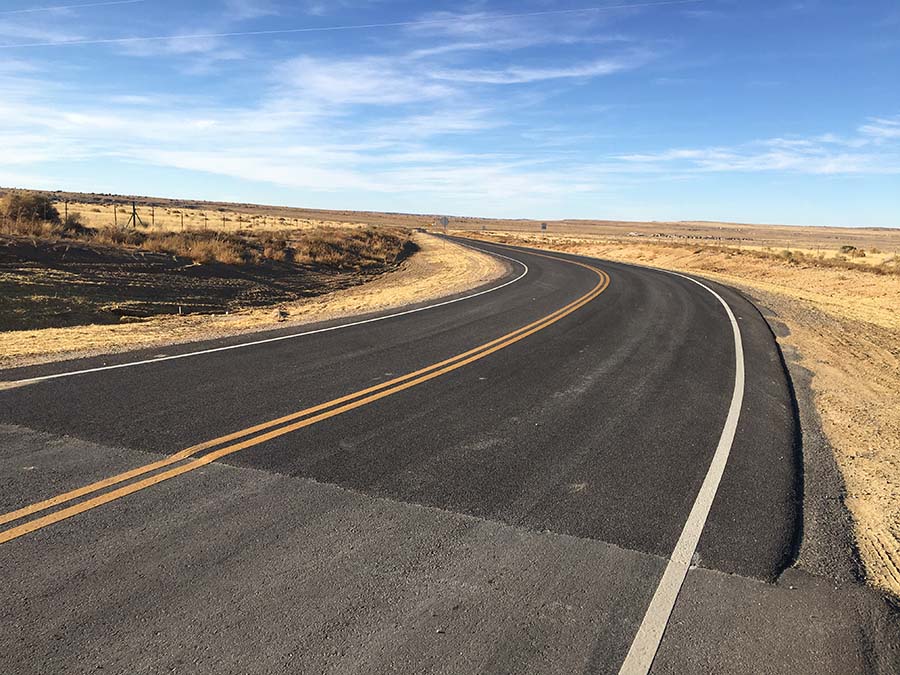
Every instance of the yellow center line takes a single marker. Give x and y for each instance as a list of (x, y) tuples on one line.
[(194, 449), (369, 395)]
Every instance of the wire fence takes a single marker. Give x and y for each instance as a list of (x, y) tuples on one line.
[(150, 217)]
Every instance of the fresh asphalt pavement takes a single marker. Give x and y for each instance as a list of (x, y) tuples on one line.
[(514, 514)]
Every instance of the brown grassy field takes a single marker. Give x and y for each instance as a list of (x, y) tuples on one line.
[(844, 322), (98, 210), (174, 215)]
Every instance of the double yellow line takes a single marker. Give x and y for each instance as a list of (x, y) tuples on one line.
[(260, 433)]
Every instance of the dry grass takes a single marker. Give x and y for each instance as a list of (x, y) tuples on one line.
[(115, 213), (343, 248), (98, 211), (844, 320), (334, 247), (847, 257)]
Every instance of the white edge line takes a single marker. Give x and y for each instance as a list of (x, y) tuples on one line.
[(646, 642), (650, 633), (32, 380)]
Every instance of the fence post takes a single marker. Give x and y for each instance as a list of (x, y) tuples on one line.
[(115, 216)]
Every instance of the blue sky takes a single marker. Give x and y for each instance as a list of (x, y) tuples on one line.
[(763, 111)]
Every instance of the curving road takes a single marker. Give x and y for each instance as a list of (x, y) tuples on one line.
[(540, 476)]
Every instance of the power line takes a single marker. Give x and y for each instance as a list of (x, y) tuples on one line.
[(88, 4), (323, 29)]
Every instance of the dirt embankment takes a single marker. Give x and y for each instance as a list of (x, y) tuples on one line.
[(68, 281), (845, 326), (437, 269)]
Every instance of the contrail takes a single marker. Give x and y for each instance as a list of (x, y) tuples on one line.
[(88, 4), (323, 29)]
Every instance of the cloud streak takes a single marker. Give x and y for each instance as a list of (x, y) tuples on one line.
[(521, 75), (827, 154)]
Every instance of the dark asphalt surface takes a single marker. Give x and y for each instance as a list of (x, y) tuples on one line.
[(513, 515)]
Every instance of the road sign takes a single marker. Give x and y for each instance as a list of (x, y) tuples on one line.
[(543, 226)]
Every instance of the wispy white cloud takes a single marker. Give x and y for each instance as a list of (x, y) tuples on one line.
[(827, 154), (368, 80), (447, 120), (208, 48), (882, 128), (281, 141), (28, 28), (524, 74), (131, 99), (327, 7), (518, 42), (241, 10)]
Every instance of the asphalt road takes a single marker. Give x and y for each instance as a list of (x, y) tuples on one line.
[(497, 484)]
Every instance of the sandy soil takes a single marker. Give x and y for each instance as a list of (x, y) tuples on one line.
[(845, 324), (439, 269)]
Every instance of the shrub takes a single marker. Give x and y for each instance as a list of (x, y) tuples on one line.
[(847, 248), (29, 206), (275, 247), (204, 247), (351, 248), (74, 225), (119, 236)]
